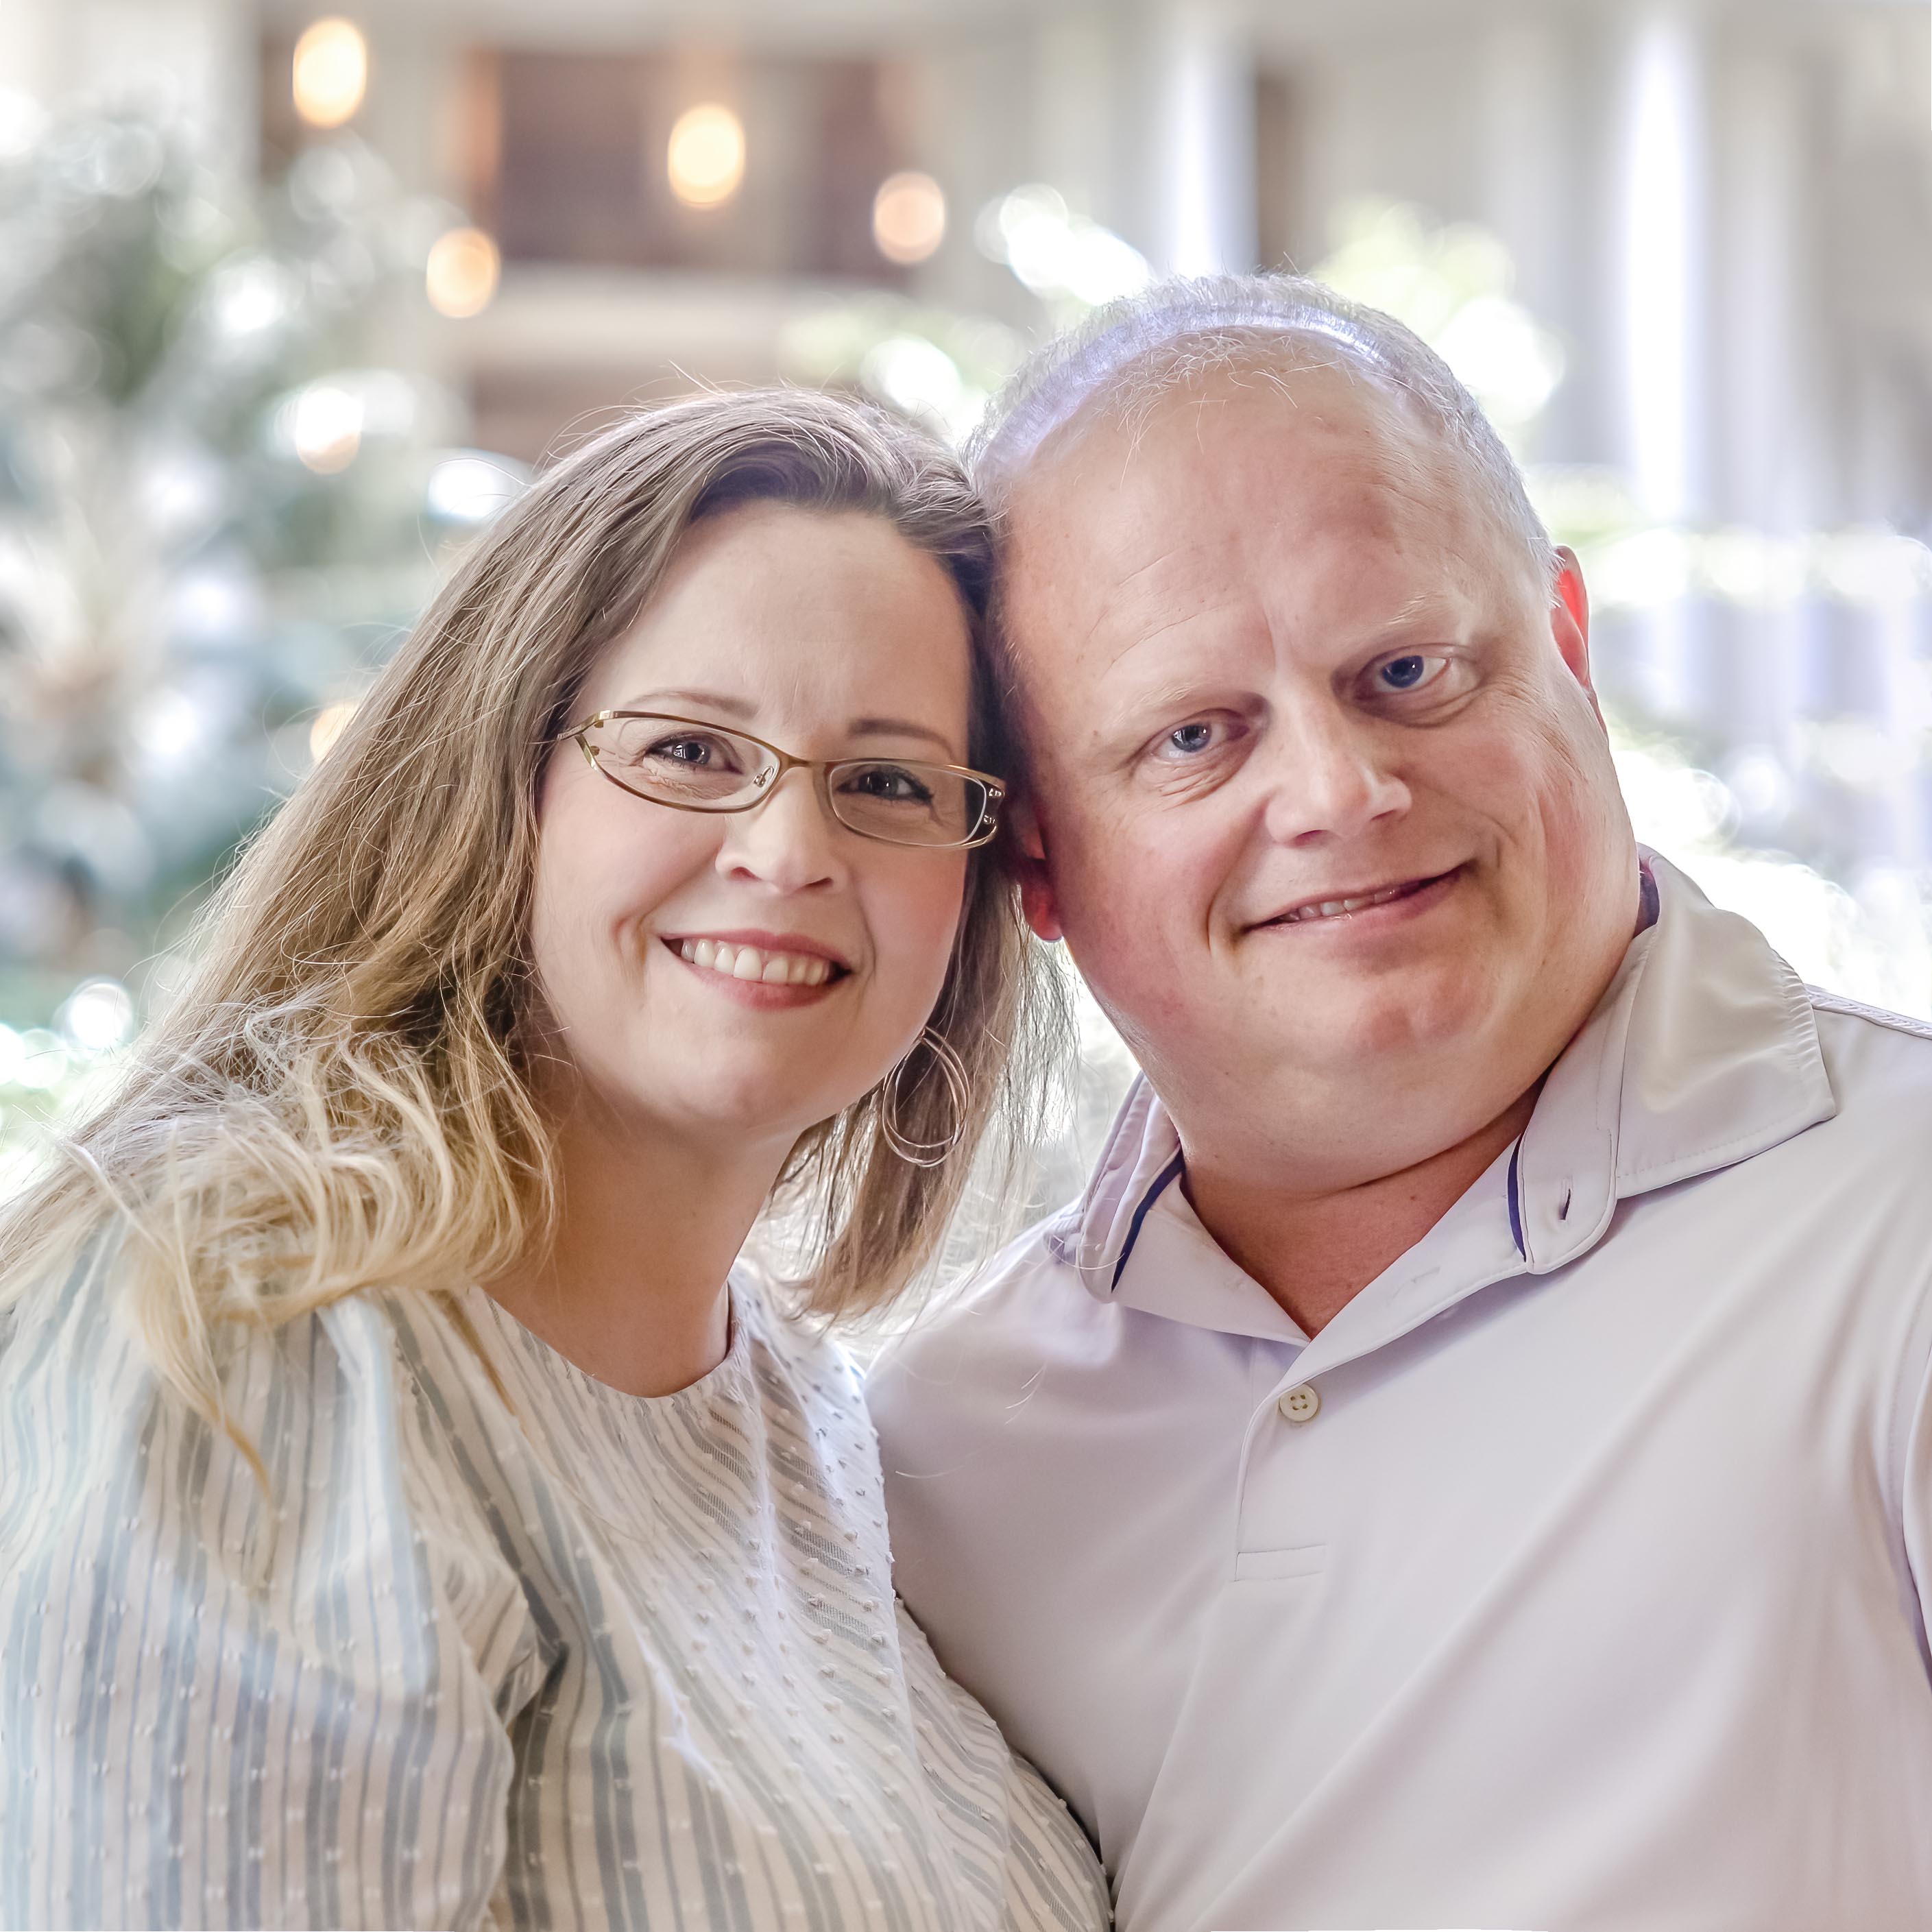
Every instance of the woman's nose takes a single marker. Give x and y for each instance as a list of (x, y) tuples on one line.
[(1332, 779), (787, 841)]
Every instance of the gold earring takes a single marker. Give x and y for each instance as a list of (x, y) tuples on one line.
[(924, 1153)]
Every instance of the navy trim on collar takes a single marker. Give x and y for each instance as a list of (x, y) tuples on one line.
[(1515, 1203), (1163, 1179)]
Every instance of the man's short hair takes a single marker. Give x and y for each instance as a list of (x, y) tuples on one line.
[(1116, 365)]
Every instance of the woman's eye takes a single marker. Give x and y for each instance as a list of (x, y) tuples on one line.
[(892, 783), (1189, 741), (1410, 672), (705, 753)]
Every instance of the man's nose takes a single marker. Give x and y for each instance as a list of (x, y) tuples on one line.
[(787, 841), (1330, 777)]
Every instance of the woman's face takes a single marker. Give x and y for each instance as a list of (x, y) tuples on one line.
[(828, 635)]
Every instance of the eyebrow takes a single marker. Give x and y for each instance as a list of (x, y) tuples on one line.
[(744, 708), (705, 700), (900, 727)]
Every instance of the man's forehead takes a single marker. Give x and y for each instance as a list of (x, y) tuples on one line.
[(1158, 510)]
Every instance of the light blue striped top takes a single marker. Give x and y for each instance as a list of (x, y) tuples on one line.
[(588, 1660)]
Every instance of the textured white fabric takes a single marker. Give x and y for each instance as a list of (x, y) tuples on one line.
[(589, 1661), (1586, 1589)]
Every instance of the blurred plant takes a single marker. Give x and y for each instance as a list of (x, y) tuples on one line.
[(937, 367), (1073, 265), (941, 367), (1452, 284), (217, 508)]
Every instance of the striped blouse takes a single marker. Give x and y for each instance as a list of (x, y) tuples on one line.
[(585, 1661)]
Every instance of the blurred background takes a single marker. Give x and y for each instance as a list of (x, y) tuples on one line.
[(291, 303)]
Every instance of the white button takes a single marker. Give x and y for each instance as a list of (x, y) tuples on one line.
[(1302, 1404)]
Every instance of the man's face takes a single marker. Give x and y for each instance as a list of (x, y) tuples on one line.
[(1327, 813)]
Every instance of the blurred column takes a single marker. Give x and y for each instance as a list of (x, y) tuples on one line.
[(1526, 177), (1768, 464), (1767, 479), (1202, 144), (1525, 181), (1660, 232), (1661, 238), (1075, 87)]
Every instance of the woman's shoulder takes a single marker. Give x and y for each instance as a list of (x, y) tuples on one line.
[(797, 1351), (346, 1407)]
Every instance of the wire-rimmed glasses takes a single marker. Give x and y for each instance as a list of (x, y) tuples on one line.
[(698, 767)]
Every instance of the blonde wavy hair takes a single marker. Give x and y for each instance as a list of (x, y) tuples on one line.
[(339, 1099)]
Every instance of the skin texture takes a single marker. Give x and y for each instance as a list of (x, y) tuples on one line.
[(677, 1094), (1270, 650)]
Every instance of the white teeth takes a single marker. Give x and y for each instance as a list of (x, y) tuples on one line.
[(750, 962), (1329, 908)]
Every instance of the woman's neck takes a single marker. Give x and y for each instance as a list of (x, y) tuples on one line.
[(633, 1288)]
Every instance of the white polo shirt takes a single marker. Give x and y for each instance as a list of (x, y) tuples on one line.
[(1574, 1577)]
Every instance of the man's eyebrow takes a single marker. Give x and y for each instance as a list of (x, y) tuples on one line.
[(1132, 707), (1435, 606)]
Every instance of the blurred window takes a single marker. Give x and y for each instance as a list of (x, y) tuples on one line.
[(571, 154)]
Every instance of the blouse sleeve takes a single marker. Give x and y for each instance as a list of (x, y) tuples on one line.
[(219, 1708)]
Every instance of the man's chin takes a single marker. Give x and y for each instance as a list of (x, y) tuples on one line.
[(1415, 1020)]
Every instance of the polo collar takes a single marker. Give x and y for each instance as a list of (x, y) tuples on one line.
[(1703, 1052)]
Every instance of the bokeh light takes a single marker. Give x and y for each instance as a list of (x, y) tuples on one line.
[(705, 158), (325, 426), (908, 217), (330, 72), (98, 1015), (329, 724), (462, 273), (471, 486)]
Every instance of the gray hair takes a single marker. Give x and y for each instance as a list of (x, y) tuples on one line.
[(1116, 364)]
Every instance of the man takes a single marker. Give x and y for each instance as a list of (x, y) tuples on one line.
[(1466, 1459)]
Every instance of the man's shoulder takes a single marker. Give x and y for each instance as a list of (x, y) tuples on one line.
[(1912, 1036), (1879, 1065), (1877, 1060)]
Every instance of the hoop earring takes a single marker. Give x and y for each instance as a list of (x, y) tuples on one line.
[(924, 1153)]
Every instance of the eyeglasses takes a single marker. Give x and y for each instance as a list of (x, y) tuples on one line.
[(699, 767)]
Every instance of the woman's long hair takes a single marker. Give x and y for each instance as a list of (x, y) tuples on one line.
[(340, 1098)]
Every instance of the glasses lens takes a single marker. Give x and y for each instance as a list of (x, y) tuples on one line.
[(682, 764), (911, 804)]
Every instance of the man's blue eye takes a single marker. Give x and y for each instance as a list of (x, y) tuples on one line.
[(1405, 673), (1191, 737)]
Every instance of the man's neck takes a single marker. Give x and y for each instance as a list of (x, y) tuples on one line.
[(1315, 1252)]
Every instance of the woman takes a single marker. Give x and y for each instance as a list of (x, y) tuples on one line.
[(409, 1513)]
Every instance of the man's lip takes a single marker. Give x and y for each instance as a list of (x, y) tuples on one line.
[(766, 942), (1395, 890)]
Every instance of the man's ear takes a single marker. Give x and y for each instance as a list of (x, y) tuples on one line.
[(1570, 621), (1028, 846)]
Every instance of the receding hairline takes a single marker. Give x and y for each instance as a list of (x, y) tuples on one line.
[(1119, 365)]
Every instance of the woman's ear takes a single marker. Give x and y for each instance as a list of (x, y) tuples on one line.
[(1029, 847)]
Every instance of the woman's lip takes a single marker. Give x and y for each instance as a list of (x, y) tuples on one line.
[(760, 995), (765, 942)]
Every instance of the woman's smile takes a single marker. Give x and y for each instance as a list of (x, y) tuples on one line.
[(762, 970)]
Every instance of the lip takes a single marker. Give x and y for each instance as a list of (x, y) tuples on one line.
[(1414, 896), (765, 941), (757, 994)]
